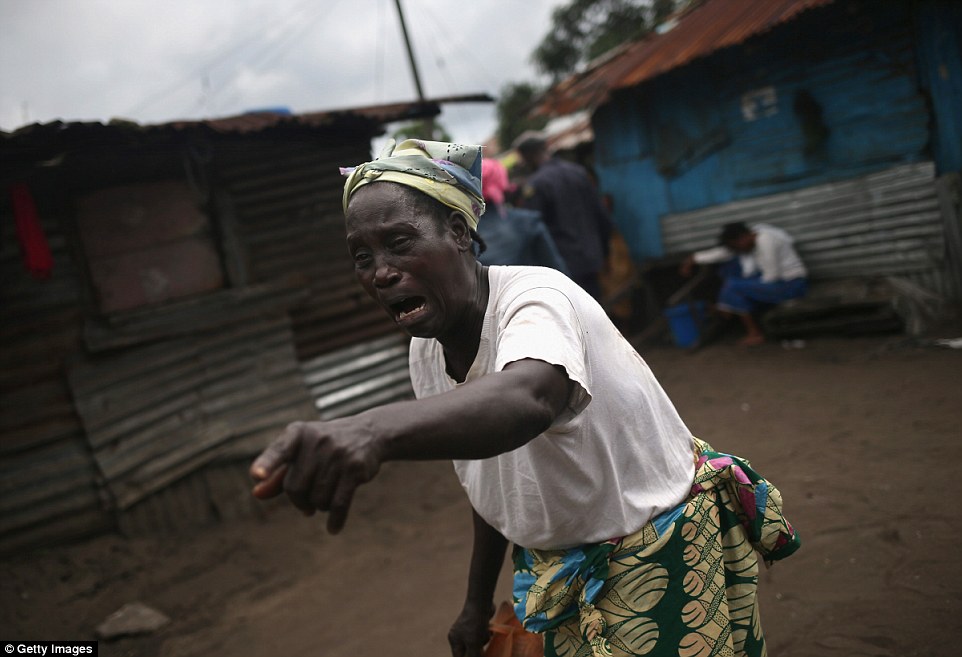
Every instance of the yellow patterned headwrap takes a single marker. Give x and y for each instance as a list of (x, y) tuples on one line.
[(449, 173)]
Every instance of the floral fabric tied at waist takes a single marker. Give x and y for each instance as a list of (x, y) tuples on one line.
[(684, 582)]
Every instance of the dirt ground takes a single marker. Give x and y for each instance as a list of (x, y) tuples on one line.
[(859, 434)]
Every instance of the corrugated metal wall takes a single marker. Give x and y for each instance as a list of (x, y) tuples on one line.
[(221, 491), (884, 224), (286, 200), (354, 379), (949, 189), (157, 413), (173, 399), (48, 489)]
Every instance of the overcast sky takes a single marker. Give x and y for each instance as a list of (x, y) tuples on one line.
[(155, 61)]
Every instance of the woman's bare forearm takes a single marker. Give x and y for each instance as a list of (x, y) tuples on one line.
[(487, 558), (495, 414)]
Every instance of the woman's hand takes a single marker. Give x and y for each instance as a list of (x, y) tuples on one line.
[(470, 632), (319, 465)]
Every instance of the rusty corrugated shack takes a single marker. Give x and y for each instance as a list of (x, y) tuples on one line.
[(838, 120), (186, 294)]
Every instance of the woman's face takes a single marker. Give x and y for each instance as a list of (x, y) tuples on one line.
[(411, 263)]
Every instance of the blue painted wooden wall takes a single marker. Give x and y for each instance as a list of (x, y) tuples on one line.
[(732, 126), (939, 38)]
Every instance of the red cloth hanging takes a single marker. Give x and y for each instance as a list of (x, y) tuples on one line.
[(33, 242)]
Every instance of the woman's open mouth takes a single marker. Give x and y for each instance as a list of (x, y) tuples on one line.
[(407, 307)]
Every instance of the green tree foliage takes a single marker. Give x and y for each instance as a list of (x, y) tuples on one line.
[(585, 29), (424, 129), (513, 107), (581, 30)]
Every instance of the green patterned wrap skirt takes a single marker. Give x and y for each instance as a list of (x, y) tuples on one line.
[(685, 584)]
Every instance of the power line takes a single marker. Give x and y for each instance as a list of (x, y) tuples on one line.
[(272, 52), (445, 29), (438, 45), (218, 59), (283, 47), (379, 49)]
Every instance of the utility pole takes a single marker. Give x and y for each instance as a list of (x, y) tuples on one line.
[(429, 122)]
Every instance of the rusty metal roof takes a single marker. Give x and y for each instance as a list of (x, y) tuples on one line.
[(257, 121), (248, 123), (695, 32)]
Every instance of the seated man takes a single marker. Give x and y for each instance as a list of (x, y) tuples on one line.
[(759, 267)]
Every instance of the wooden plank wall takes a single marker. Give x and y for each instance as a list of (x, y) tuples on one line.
[(734, 125)]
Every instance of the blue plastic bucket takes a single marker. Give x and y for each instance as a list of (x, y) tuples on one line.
[(685, 321)]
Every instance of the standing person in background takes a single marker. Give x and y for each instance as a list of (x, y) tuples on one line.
[(512, 236), (569, 205), (759, 267)]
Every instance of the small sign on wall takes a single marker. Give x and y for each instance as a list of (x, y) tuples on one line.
[(759, 104)]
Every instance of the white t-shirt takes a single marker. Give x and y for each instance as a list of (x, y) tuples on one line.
[(774, 256), (618, 456)]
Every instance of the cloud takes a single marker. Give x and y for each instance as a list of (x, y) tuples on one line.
[(154, 62)]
